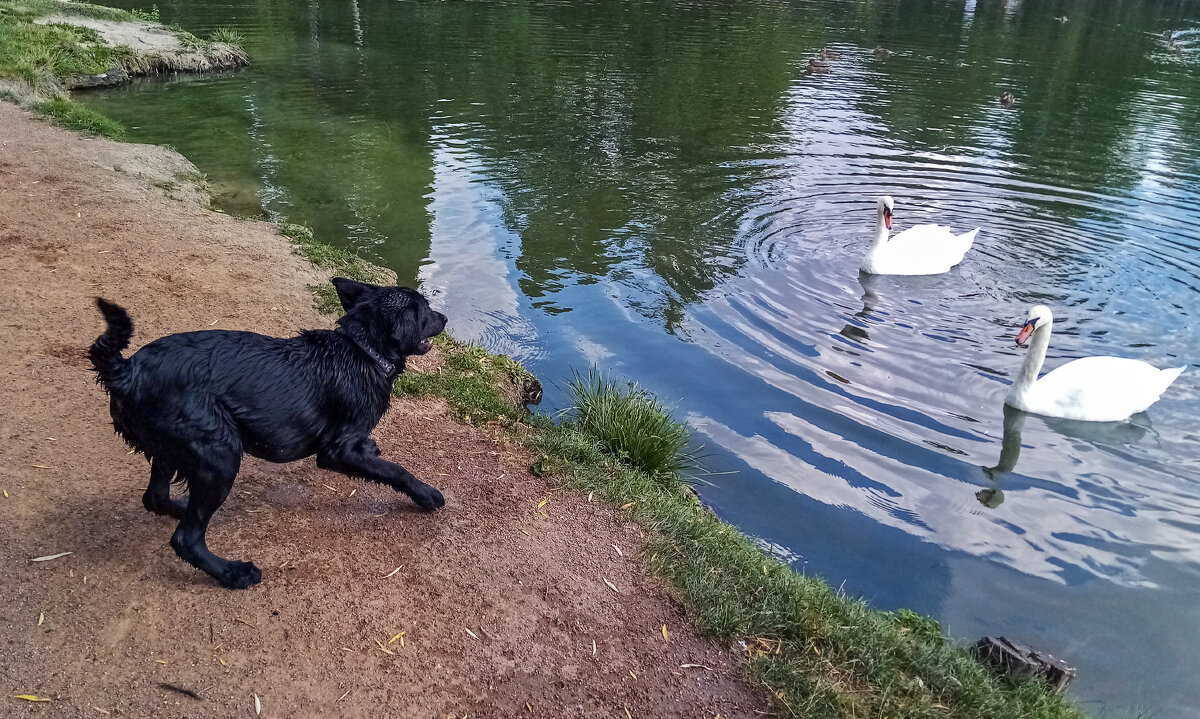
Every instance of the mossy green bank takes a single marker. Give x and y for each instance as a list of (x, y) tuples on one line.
[(38, 60)]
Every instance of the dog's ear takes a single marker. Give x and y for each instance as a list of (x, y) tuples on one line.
[(351, 292), (405, 328)]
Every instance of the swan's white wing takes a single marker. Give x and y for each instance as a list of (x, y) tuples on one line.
[(1100, 389), (921, 250)]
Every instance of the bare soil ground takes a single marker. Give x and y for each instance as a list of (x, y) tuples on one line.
[(504, 607)]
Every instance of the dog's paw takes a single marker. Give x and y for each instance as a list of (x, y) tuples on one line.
[(428, 498), (241, 575)]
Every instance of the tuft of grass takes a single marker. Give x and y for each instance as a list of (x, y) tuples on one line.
[(631, 424), (77, 117), (188, 41), (472, 381), (42, 55), (226, 35), (150, 15)]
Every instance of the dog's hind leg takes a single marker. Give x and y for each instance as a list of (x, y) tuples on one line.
[(157, 498), (208, 487), (360, 458)]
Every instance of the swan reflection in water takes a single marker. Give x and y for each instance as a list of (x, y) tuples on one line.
[(1129, 431), (870, 299)]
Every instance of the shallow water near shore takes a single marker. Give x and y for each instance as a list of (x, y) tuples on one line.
[(662, 190)]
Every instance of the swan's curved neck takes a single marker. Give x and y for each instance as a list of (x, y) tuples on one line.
[(881, 230), (1033, 361)]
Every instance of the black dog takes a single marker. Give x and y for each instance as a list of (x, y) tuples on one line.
[(193, 403)]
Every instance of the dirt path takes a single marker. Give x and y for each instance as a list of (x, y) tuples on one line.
[(499, 604)]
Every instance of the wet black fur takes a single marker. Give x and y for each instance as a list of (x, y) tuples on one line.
[(194, 403)]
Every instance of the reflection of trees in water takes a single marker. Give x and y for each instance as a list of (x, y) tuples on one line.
[(620, 133), (619, 175)]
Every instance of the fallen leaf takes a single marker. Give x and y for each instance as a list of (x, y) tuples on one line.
[(694, 666), (627, 714), (384, 649), (102, 711), (627, 505), (399, 636), (353, 491), (393, 572), (6, 494), (543, 503), (593, 647), (523, 531), (219, 659), (257, 705), (159, 661), (665, 633), (589, 496), (41, 618), (619, 552), (632, 675), (210, 324), (610, 584), (39, 466), (30, 697), (473, 635)]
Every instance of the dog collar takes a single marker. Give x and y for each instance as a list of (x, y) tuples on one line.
[(388, 368)]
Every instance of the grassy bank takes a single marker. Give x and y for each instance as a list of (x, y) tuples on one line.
[(819, 653), (40, 61)]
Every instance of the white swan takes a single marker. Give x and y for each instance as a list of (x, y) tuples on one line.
[(1095, 389), (919, 250)]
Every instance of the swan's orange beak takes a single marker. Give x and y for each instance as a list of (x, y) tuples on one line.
[(1027, 330), (887, 218)]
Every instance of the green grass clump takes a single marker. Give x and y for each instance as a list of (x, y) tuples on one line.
[(77, 117), (42, 55), (150, 15), (226, 35), (631, 424), (189, 41), (472, 381)]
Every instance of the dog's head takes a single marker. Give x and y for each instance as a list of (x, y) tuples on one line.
[(396, 320)]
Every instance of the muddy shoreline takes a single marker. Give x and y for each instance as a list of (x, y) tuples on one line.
[(120, 624)]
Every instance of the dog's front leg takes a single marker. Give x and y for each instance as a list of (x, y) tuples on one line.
[(360, 458)]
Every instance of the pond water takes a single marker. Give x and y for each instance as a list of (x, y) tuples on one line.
[(662, 190)]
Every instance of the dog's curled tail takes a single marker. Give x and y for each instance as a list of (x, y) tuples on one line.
[(111, 367)]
